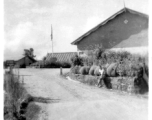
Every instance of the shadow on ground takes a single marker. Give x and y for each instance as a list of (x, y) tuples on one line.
[(45, 100)]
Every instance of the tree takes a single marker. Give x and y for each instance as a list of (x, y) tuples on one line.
[(44, 58), (29, 52)]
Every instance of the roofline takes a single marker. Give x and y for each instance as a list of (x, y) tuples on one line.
[(26, 56), (107, 20), (62, 52)]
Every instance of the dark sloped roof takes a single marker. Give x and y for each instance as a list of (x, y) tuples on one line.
[(104, 22), (32, 59), (62, 57), (28, 57)]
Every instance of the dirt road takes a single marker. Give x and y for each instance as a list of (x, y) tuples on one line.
[(70, 100)]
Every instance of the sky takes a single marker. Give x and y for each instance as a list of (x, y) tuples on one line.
[(27, 23)]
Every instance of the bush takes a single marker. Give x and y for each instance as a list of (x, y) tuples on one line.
[(50, 64), (76, 60), (84, 70), (92, 70), (126, 61), (111, 70), (75, 69), (99, 53), (65, 64), (126, 64), (87, 61), (56, 64)]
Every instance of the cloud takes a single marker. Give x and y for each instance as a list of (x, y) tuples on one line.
[(36, 32), (23, 3), (63, 42), (24, 35), (18, 35), (28, 22), (41, 10), (92, 22)]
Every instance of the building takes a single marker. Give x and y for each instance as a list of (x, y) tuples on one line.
[(61, 57), (9, 63), (24, 62), (126, 30)]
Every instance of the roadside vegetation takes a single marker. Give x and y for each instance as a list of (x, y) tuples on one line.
[(121, 69), (52, 63), (128, 63), (17, 102)]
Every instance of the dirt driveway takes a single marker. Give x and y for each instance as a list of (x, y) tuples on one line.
[(70, 100)]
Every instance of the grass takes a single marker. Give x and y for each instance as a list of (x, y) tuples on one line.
[(17, 102), (32, 111), (14, 93), (87, 79), (90, 80)]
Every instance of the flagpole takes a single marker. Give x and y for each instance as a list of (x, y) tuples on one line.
[(52, 39)]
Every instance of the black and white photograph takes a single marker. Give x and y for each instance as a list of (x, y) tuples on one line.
[(75, 60)]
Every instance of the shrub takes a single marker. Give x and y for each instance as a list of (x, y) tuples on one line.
[(65, 64), (111, 70), (92, 70), (126, 62), (75, 69), (99, 53), (55, 64), (76, 60), (84, 70), (51, 64), (87, 61)]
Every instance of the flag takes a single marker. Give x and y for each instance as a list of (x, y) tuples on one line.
[(51, 33)]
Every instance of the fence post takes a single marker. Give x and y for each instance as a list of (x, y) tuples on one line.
[(60, 70), (22, 79), (11, 71), (18, 73)]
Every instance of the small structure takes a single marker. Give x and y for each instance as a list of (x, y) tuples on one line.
[(24, 62), (127, 29), (10, 62)]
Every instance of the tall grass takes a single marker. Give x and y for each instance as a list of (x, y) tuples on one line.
[(17, 102), (14, 93)]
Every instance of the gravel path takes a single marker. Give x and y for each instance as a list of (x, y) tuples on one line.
[(62, 99)]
